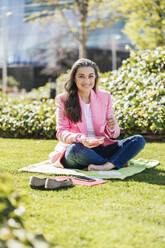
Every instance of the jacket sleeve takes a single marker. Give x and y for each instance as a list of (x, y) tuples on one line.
[(109, 112), (63, 124)]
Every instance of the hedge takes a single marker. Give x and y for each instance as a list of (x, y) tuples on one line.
[(28, 120), (138, 90)]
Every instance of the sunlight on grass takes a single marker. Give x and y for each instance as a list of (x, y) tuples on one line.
[(125, 214)]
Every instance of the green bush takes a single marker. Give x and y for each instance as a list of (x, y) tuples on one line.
[(12, 230), (60, 82), (27, 120), (38, 94), (138, 90)]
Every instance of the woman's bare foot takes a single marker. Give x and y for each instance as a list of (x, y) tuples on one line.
[(105, 167), (127, 164)]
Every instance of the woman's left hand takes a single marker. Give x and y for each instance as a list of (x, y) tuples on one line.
[(111, 122)]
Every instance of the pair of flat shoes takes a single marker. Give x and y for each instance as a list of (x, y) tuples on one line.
[(49, 183)]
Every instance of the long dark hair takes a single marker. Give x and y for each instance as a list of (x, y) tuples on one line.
[(72, 105)]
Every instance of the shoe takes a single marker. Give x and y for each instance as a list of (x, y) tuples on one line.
[(37, 183), (54, 184)]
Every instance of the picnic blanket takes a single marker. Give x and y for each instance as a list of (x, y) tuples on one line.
[(136, 166)]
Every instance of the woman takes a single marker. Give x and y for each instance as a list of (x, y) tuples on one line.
[(82, 112)]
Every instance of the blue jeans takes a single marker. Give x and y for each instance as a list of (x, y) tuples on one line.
[(79, 156)]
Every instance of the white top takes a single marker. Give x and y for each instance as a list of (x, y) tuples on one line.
[(88, 117)]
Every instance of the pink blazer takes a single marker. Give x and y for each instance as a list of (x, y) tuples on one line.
[(67, 131)]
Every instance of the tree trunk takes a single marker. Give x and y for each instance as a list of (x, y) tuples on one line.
[(82, 48), (83, 11)]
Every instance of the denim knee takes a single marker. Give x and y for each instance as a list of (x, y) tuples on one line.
[(140, 140), (72, 150)]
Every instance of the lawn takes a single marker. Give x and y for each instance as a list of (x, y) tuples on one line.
[(125, 214)]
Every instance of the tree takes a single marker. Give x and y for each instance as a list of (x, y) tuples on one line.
[(145, 21), (89, 14)]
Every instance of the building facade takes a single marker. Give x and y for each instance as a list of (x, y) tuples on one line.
[(47, 49)]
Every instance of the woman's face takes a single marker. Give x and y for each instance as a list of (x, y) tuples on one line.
[(85, 79)]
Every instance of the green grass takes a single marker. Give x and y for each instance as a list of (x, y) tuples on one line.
[(128, 213)]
